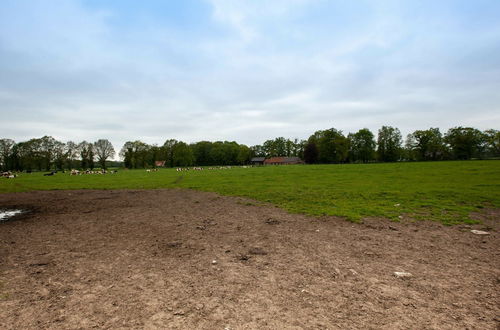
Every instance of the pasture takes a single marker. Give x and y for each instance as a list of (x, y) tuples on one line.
[(447, 192)]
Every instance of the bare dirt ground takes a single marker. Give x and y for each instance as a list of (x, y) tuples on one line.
[(192, 260)]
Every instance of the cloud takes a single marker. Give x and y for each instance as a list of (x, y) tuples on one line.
[(244, 70)]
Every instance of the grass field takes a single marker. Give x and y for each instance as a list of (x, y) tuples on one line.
[(441, 191)]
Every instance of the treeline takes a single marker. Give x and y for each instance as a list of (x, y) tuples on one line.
[(331, 146), (323, 147), (47, 153), (137, 154)]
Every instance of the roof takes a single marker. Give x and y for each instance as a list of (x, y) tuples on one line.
[(258, 159), (283, 160)]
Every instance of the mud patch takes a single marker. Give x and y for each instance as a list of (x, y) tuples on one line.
[(156, 259)]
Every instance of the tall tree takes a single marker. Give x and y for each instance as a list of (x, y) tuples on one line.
[(426, 144), (362, 145), (311, 153), (47, 145), (492, 137), (59, 154), (135, 154), (168, 148), (389, 144), (244, 155), (182, 155), (201, 151), (71, 153), (333, 146), (86, 152), (5, 152), (465, 142), (103, 150), (258, 151), (155, 153)]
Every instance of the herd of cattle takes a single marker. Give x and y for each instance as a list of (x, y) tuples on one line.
[(12, 175), (8, 175), (77, 172)]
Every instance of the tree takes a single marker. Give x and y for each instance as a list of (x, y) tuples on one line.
[(155, 153), (244, 155), (389, 144), (311, 153), (362, 145), (135, 154), (14, 161), (59, 154), (492, 137), (5, 152), (332, 145), (426, 144), (182, 155), (46, 152), (168, 149), (71, 153), (258, 151), (103, 150), (465, 142), (201, 151), (86, 152), (275, 148)]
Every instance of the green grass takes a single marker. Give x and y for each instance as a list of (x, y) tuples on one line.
[(443, 191)]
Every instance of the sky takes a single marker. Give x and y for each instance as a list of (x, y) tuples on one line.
[(245, 70)]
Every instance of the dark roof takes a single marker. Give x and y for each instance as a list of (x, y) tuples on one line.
[(258, 159)]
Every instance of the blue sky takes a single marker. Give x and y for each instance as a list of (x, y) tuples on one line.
[(245, 70)]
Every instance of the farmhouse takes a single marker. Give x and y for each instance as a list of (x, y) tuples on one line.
[(258, 160), (160, 163), (283, 161)]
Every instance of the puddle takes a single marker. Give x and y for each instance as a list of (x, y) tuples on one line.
[(6, 214)]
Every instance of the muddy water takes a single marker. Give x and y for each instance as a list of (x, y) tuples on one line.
[(7, 214)]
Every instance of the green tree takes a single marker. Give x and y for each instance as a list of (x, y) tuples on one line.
[(362, 146), (465, 142), (71, 153), (244, 155), (311, 153), (6, 146), (492, 137), (46, 152), (182, 155), (201, 151), (168, 149), (426, 144), (389, 144), (59, 155), (135, 154), (332, 145)]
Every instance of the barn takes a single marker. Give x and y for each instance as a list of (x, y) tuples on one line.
[(160, 163), (283, 161), (257, 160)]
